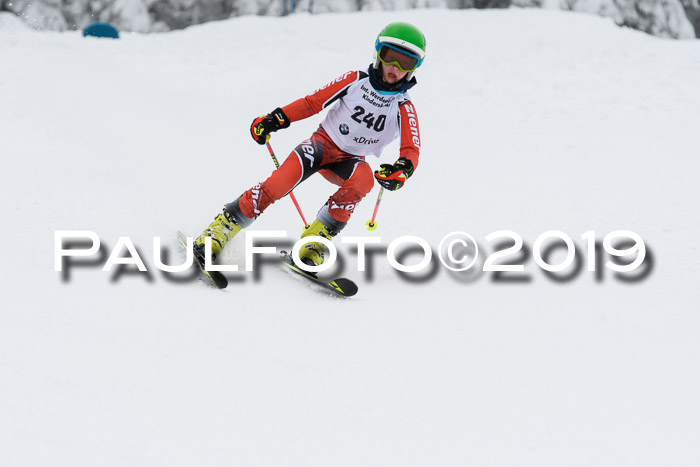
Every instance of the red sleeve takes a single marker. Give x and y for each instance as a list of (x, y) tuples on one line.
[(410, 135), (321, 98)]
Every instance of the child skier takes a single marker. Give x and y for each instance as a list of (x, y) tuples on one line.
[(370, 110)]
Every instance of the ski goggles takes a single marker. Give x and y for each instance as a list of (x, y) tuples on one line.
[(403, 59)]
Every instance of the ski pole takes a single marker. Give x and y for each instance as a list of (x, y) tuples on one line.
[(291, 195), (371, 225)]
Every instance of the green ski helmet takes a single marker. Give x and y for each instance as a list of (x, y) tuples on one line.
[(405, 38)]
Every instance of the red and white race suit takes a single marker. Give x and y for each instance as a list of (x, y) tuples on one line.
[(361, 122)]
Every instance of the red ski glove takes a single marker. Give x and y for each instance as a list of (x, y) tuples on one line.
[(393, 176), (263, 126)]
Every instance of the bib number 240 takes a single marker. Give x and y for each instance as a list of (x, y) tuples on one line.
[(369, 119)]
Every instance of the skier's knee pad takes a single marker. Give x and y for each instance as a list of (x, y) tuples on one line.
[(361, 181)]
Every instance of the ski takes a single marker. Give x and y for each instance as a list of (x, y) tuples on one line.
[(341, 287), (210, 277)]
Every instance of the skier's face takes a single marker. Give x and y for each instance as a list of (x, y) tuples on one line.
[(391, 74)]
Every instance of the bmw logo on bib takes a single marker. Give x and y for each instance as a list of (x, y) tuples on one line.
[(344, 129)]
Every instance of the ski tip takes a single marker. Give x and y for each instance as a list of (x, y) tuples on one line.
[(340, 287), (218, 279), (346, 287)]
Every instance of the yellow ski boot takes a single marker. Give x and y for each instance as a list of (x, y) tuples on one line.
[(223, 229), (312, 253)]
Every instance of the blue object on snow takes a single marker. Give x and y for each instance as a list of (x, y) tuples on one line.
[(101, 29)]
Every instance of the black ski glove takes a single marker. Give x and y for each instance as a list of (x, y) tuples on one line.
[(393, 176), (263, 126)]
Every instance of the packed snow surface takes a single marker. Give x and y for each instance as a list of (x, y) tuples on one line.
[(531, 121)]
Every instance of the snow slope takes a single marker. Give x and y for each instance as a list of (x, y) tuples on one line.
[(531, 121)]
